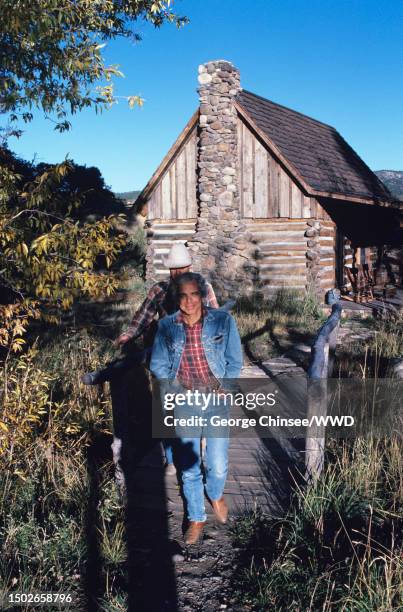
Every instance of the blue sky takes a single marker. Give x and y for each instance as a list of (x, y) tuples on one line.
[(339, 61)]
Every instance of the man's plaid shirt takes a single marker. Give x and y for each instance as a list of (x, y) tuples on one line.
[(194, 369), (156, 303)]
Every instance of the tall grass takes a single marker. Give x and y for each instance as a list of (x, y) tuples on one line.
[(263, 322), (56, 517), (340, 545), (372, 357)]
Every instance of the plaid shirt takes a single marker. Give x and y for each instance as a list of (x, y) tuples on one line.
[(156, 303), (194, 370)]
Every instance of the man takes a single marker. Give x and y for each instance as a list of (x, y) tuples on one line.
[(159, 301), (197, 349)]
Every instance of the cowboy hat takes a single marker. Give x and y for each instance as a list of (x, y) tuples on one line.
[(178, 257)]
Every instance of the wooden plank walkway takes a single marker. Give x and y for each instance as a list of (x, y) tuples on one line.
[(164, 575), (259, 469)]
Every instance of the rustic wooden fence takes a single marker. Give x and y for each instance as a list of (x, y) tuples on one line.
[(320, 369)]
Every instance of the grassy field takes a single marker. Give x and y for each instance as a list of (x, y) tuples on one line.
[(59, 508)]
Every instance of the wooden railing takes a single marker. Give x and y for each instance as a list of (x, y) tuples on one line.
[(320, 369)]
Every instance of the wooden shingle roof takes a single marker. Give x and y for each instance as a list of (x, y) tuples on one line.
[(320, 156)]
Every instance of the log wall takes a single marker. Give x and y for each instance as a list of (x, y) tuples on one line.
[(279, 254), (326, 268)]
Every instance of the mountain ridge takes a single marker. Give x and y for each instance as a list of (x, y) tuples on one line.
[(128, 195), (393, 179)]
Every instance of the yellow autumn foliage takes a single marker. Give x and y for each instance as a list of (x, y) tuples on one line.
[(48, 260)]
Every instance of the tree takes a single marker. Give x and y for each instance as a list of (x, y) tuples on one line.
[(51, 59), (95, 199), (51, 52), (47, 257)]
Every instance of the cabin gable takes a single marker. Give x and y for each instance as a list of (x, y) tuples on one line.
[(173, 195), (267, 188)]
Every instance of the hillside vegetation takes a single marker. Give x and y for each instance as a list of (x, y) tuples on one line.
[(128, 195)]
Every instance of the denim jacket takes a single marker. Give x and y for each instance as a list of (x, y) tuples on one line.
[(220, 339)]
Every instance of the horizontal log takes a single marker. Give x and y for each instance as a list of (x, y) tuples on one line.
[(168, 242), (170, 232), (279, 238), (161, 229), (327, 234), (283, 258), (161, 272), (280, 224), (283, 266), (174, 240), (272, 289), (162, 221), (295, 259), (283, 243), (277, 221), (272, 231), (326, 268), (287, 279)]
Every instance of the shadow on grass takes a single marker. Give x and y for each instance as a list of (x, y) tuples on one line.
[(280, 459), (97, 454), (151, 583), (148, 577)]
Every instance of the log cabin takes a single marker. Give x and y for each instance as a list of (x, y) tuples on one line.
[(265, 197)]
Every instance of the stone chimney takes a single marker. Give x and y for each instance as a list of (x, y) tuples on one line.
[(219, 242)]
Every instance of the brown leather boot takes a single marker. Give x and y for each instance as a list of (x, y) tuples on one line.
[(220, 510), (194, 532)]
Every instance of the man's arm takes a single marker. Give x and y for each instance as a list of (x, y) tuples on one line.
[(143, 317)]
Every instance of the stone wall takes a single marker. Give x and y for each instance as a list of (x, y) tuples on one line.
[(220, 245)]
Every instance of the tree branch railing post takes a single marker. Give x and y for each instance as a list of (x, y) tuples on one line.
[(320, 369)]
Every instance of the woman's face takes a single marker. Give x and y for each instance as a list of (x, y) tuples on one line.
[(190, 301)]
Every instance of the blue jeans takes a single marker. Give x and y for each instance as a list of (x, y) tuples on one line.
[(215, 460)]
